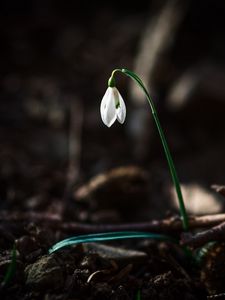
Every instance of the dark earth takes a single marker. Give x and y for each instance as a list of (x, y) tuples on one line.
[(63, 173)]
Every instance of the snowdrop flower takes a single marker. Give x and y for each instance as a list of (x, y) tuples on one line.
[(112, 107)]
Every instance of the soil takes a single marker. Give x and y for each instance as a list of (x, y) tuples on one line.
[(59, 165)]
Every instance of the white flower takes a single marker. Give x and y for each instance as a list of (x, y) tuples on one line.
[(112, 107)]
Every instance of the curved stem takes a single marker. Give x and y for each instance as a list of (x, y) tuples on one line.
[(173, 172)]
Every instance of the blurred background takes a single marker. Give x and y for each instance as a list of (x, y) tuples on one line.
[(55, 60)]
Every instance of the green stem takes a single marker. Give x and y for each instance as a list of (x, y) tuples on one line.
[(173, 172)]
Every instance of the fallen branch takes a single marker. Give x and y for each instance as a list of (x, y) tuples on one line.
[(168, 225), (216, 233), (18, 216)]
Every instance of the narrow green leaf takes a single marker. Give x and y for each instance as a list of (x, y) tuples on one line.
[(11, 268), (109, 236)]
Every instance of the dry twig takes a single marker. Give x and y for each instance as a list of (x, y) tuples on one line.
[(216, 233), (169, 225)]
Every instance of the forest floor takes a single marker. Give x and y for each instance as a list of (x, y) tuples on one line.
[(62, 173)]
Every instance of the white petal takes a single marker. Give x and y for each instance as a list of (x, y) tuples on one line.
[(103, 102), (108, 108), (121, 110)]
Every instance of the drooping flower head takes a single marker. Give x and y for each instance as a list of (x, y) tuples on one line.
[(112, 106)]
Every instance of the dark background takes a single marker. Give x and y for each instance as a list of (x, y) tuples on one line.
[(55, 60)]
